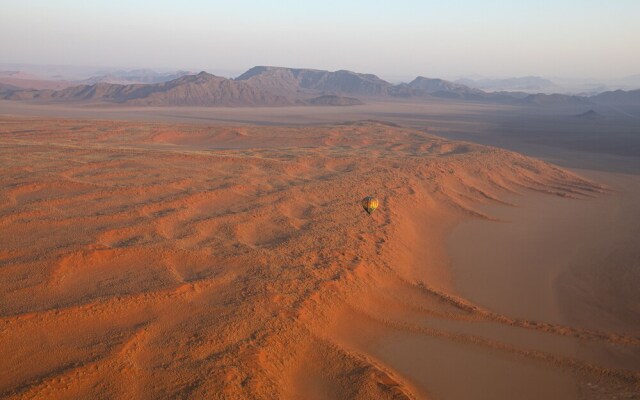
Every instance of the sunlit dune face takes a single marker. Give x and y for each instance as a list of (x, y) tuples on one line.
[(152, 261)]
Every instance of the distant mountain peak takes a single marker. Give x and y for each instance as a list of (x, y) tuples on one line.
[(276, 86), (618, 97), (435, 85), (253, 71), (305, 80), (529, 83), (591, 114)]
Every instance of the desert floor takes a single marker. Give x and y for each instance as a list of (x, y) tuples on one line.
[(230, 260)]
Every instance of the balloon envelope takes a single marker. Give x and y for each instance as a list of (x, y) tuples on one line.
[(369, 204)]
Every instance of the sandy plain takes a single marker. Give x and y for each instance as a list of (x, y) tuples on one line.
[(158, 260)]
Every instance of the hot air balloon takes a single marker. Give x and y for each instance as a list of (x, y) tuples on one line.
[(369, 204)]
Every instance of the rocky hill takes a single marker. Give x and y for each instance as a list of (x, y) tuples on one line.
[(279, 86)]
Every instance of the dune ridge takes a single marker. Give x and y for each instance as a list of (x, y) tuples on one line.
[(156, 261)]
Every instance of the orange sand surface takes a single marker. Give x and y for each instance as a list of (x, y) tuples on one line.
[(142, 260)]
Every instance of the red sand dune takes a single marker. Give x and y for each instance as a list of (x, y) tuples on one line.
[(156, 261)]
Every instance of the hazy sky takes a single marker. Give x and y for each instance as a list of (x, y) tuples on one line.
[(401, 38)]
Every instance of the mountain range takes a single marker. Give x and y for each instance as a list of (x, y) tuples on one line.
[(529, 84), (280, 86), (124, 77)]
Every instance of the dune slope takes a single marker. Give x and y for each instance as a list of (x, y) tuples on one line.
[(158, 261)]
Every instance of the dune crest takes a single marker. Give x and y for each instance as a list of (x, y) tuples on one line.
[(159, 261)]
